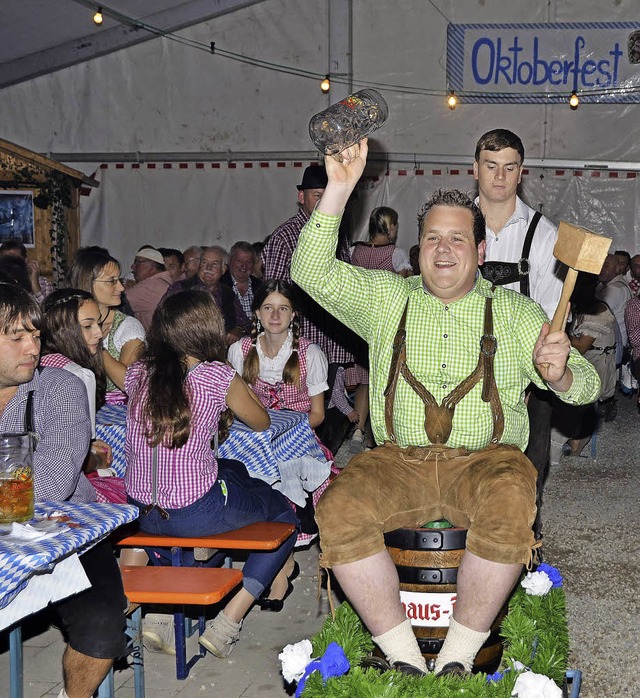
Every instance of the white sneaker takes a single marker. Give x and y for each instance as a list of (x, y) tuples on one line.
[(158, 633), (220, 636), (357, 441)]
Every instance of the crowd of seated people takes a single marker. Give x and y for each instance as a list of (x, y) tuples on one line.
[(162, 339)]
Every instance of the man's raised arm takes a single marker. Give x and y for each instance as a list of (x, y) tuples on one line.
[(343, 173)]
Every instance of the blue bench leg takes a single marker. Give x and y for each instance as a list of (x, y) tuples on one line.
[(181, 645), (15, 662), (106, 688), (574, 676), (135, 631)]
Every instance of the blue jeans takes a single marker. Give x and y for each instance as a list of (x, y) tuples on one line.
[(234, 501)]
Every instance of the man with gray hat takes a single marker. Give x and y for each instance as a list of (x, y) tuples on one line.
[(316, 324), (152, 282)]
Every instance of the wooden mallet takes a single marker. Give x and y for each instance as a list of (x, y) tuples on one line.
[(580, 250)]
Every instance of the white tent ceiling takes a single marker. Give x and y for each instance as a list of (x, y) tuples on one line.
[(41, 36), (87, 96)]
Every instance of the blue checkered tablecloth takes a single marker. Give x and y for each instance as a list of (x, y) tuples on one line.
[(111, 427), (262, 452), (19, 561), (289, 437)]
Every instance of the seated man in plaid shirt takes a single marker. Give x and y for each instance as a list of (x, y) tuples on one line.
[(53, 404), (450, 358)]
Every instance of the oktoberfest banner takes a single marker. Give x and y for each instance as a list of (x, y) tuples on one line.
[(600, 61)]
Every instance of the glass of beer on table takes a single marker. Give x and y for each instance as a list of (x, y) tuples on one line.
[(16, 477)]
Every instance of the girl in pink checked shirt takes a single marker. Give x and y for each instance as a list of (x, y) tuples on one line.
[(179, 394)]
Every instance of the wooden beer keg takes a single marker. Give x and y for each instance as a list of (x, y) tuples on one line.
[(427, 560)]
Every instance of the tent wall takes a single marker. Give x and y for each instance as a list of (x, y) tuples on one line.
[(195, 203), (162, 97)]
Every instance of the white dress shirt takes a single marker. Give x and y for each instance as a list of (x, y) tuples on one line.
[(271, 369), (546, 273)]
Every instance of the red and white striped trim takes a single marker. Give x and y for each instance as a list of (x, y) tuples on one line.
[(418, 172)]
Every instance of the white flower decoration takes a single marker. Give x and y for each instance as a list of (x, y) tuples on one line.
[(531, 685), (537, 583), (294, 659)]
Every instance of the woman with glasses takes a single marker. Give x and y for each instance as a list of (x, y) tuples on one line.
[(96, 271)]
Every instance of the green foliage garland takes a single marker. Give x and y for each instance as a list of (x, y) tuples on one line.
[(535, 633)]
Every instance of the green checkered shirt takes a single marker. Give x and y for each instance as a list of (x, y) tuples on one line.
[(443, 342)]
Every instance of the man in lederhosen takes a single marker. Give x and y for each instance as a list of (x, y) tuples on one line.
[(450, 358), (519, 256)]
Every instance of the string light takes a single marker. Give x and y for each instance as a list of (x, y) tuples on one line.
[(452, 99), (325, 85), (98, 18)]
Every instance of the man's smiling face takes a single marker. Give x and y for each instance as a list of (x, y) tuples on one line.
[(449, 256)]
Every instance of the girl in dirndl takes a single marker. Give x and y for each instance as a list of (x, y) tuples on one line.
[(286, 371)]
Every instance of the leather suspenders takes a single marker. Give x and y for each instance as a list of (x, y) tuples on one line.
[(501, 273)]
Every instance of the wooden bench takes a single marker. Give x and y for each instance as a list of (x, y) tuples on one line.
[(262, 536), (197, 586)]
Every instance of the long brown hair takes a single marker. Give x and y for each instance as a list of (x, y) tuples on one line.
[(185, 324), (88, 265), (251, 366), (62, 334)]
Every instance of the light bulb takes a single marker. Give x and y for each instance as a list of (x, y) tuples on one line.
[(452, 100), (98, 18), (574, 101), (325, 85)]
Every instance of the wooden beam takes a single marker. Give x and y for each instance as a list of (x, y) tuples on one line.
[(37, 159), (125, 34)]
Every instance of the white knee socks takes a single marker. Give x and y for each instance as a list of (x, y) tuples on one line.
[(461, 645), (400, 645)]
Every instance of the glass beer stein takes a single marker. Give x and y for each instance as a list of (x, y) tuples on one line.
[(16, 477), (345, 123)]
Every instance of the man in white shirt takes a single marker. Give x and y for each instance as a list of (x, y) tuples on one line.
[(519, 255)]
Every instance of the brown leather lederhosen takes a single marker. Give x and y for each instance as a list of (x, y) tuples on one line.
[(439, 418)]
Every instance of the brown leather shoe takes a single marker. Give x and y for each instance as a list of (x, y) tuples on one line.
[(453, 669)]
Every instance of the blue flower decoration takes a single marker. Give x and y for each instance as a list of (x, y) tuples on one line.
[(494, 678), (553, 574), (333, 662)]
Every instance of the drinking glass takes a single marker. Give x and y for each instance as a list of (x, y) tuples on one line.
[(345, 123), (16, 477)]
